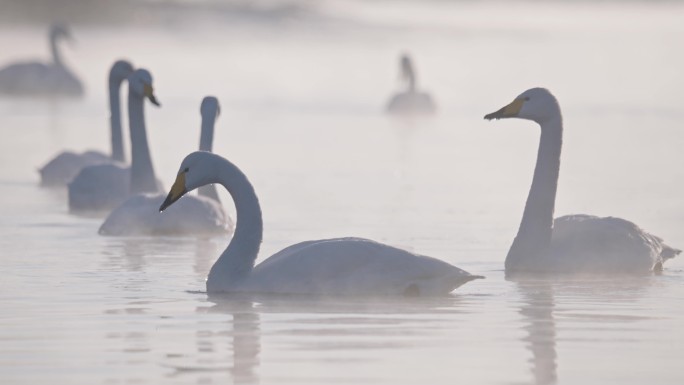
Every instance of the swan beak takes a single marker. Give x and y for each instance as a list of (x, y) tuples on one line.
[(149, 93), (509, 111), (177, 191)]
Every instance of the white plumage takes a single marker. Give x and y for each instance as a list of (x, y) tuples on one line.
[(341, 266), (574, 244), (138, 214)]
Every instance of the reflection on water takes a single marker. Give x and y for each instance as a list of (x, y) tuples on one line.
[(537, 306)]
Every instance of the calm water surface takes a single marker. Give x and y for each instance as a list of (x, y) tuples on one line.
[(302, 104)]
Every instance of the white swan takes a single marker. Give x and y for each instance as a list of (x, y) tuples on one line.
[(37, 79), (410, 101), (574, 243), (63, 168), (329, 266), (138, 214), (103, 186), (210, 110)]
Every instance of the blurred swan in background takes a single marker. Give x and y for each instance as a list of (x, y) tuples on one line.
[(104, 186), (36, 79), (210, 110), (573, 243), (63, 168), (411, 100), (138, 215), (329, 266)]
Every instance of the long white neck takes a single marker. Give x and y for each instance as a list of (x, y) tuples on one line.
[(143, 179), (532, 243), (115, 118), (237, 261), (206, 144), (56, 57)]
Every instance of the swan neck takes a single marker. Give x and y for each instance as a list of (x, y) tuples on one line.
[(115, 119), (207, 144), (143, 179), (411, 78), (56, 57), (533, 240), (207, 132), (237, 261)]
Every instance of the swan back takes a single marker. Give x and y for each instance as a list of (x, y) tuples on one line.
[(353, 266)]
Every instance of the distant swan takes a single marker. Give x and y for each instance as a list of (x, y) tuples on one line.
[(63, 168), (35, 79), (138, 215), (411, 100), (331, 266), (574, 243), (104, 186)]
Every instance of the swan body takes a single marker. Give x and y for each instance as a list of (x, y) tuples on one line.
[(138, 214), (61, 169), (410, 101), (35, 79), (341, 266), (574, 244), (102, 187)]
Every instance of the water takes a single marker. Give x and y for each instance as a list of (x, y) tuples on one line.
[(302, 101)]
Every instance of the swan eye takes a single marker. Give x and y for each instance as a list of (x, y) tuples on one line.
[(186, 169), (527, 98)]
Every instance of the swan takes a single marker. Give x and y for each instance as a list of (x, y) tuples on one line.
[(411, 100), (210, 110), (64, 168), (105, 185), (574, 244), (42, 79), (138, 215), (348, 266)]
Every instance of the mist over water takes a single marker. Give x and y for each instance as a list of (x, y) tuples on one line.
[(303, 87)]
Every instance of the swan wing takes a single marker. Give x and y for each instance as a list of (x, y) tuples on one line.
[(353, 266), (585, 243), (64, 167), (39, 79)]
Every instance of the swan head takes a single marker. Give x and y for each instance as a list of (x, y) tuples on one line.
[(60, 30), (210, 107), (406, 65), (121, 69), (536, 104), (195, 171), (140, 83)]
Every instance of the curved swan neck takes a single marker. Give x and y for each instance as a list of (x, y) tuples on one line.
[(115, 118), (237, 261), (534, 236), (207, 144), (143, 179)]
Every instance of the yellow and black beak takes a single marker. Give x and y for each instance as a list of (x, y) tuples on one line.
[(149, 93), (177, 191), (510, 111)]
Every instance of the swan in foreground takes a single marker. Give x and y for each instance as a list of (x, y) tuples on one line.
[(330, 266), (62, 169), (103, 186), (573, 243), (37, 79), (411, 100), (138, 215)]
